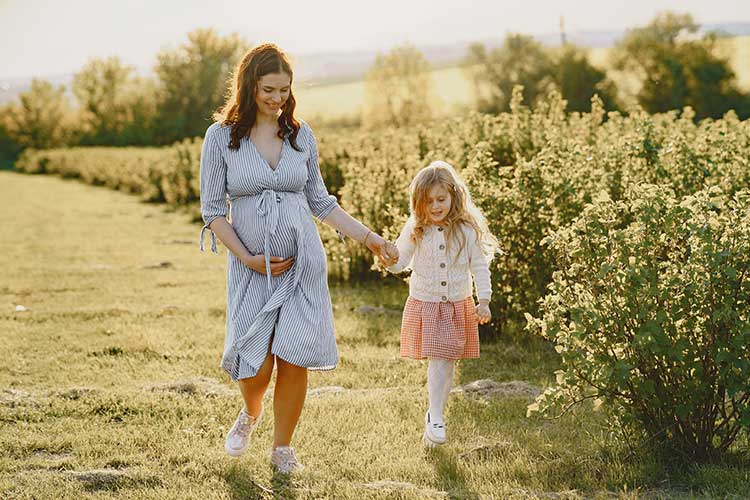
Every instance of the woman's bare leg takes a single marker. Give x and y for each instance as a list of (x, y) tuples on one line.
[(254, 388), (288, 399)]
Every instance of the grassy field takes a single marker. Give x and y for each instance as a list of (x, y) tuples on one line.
[(110, 385), (452, 93), (453, 90)]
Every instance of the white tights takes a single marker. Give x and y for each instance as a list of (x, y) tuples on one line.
[(439, 383)]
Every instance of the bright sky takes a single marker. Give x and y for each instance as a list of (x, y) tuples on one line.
[(52, 37)]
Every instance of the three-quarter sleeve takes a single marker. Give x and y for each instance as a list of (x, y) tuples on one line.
[(479, 267), (213, 179), (321, 203), (405, 246)]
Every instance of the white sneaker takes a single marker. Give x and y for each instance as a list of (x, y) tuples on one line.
[(284, 460), (239, 435), (434, 432)]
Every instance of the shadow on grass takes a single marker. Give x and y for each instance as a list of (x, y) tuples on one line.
[(452, 480), (532, 360), (113, 480), (242, 486), (283, 487)]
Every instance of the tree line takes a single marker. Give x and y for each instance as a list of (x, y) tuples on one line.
[(662, 66), (113, 106), (668, 66)]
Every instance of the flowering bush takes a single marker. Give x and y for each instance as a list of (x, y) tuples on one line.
[(649, 308)]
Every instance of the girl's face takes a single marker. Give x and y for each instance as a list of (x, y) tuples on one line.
[(438, 203), (271, 92)]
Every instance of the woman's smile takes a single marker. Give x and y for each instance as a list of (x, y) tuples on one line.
[(272, 92)]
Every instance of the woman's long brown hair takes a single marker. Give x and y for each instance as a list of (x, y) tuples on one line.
[(240, 110)]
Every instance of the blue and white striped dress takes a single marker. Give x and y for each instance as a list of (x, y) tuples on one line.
[(271, 211)]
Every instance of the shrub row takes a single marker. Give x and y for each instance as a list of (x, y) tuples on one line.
[(532, 172)]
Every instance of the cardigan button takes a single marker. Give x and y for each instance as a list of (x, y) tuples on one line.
[(442, 247), (442, 264), (444, 298), (443, 283), (440, 228)]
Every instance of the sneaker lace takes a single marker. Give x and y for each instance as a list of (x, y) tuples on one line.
[(287, 456), (242, 425)]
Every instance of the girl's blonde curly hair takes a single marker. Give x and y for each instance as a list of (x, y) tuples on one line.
[(462, 211)]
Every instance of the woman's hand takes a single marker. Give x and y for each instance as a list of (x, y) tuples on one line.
[(483, 312), (278, 265), (384, 250)]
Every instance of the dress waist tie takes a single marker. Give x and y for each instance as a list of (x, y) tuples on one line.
[(213, 239), (268, 208)]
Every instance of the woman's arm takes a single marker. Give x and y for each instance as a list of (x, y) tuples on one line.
[(341, 221), (320, 201), (325, 207)]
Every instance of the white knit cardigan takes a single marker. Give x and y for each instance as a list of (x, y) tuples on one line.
[(439, 272)]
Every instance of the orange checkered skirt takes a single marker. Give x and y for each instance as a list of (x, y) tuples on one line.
[(442, 330)]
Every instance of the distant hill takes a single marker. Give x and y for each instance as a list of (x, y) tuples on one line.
[(313, 70)]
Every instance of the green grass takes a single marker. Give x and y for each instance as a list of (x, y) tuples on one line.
[(113, 371)]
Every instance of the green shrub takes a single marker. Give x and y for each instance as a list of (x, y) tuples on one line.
[(530, 171), (155, 173), (649, 310)]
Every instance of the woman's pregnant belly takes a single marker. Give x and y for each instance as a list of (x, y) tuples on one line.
[(295, 231), (251, 226)]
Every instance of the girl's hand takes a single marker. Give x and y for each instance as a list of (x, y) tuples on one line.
[(278, 265), (392, 251), (384, 250), (483, 312)]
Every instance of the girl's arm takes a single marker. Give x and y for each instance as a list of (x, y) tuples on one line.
[(405, 247), (481, 272), (479, 268)]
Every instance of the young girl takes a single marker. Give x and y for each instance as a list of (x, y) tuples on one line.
[(444, 242)]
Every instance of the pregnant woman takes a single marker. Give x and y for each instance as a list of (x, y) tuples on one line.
[(265, 162)]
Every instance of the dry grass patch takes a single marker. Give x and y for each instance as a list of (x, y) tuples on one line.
[(110, 385)]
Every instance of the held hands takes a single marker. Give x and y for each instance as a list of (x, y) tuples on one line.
[(483, 312), (278, 265), (384, 250)]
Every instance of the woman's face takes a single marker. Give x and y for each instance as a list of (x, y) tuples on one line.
[(271, 93)]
